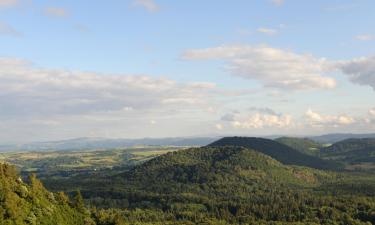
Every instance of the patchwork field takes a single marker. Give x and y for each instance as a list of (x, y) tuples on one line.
[(69, 163)]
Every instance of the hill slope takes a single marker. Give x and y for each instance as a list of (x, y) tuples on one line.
[(278, 151), (202, 165), (350, 145), (33, 204), (229, 185), (359, 153), (304, 145)]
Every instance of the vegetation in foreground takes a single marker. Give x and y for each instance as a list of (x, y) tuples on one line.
[(22, 203)]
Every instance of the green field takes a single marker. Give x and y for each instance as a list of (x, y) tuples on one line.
[(69, 163)]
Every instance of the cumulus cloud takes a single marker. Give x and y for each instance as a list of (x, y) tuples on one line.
[(316, 119), (56, 11), (267, 31), (8, 3), (273, 67), (360, 71), (149, 5), (258, 119), (6, 29)]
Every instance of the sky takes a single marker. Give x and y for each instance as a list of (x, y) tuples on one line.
[(158, 68)]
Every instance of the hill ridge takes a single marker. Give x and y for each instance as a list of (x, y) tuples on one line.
[(278, 151)]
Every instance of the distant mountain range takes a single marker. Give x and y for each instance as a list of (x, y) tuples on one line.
[(107, 143), (103, 143), (332, 138)]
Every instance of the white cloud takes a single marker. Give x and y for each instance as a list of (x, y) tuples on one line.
[(267, 31), (360, 71), (35, 100), (278, 2), (56, 11), (262, 121), (277, 68), (258, 119), (8, 3), (365, 37), (6, 29), (149, 5), (372, 112), (318, 120), (28, 91), (219, 126)]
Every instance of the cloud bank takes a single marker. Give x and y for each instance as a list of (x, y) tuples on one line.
[(28, 90)]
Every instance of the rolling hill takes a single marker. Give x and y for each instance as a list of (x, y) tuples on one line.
[(227, 185), (348, 145), (278, 151), (202, 165), (304, 145), (358, 153)]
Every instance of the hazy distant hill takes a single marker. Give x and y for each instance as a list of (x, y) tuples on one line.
[(303, 145), (332, 138), (103, 143), (276, 150), (106, 143)]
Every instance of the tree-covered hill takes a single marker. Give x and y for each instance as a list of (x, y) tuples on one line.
[(359, 153), (349, 145), (228, 185), (304, 145), (278, 151), (32, 204), (203, 165)]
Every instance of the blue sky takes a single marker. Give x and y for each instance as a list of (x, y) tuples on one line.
[(157, 68)]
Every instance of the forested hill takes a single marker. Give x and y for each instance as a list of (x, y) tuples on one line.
[(357, 153), (278, 151), (207, 164), (304, 145), (230, 185), (32, 204), (350, 145)]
